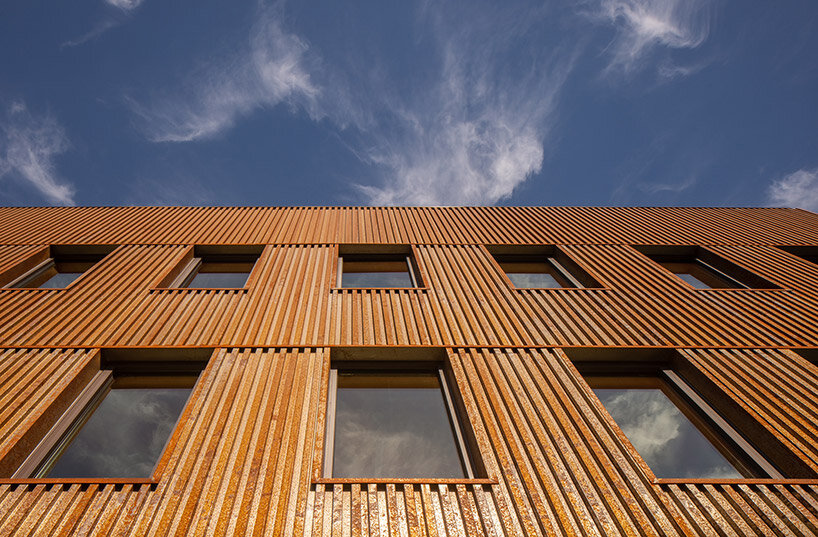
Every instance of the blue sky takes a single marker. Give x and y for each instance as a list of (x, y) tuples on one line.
[(596, 102)]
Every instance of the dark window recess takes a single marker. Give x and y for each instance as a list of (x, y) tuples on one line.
[(393, 420), (702, 269), (391, 267), (218, 267), (120, 423), (62, 267), (807, 253), (540, 267), (680, 423)]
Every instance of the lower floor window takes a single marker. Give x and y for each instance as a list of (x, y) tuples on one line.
[(118, 426), (393, 423), (667, 433)]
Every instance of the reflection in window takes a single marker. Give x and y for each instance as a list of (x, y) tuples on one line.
[(393, 425), (673, 443), (376, 271), (124, 436)]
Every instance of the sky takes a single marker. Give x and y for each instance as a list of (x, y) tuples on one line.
[(582, 102)]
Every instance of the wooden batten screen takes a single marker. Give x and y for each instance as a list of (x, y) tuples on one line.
[(246, 455)]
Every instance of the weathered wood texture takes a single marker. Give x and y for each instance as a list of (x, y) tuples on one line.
[(243, 457)]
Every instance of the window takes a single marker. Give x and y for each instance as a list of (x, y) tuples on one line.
[(702, 269), (393, 419), (217, 267), (677, 432), (60, 266), (119, 424), (544, 267), (385, 267)]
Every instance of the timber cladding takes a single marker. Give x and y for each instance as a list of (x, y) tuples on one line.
[(246, 456)]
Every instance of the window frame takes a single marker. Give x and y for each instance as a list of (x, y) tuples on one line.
[(468, 461), (189, 268), (131, 364), (749, 440), (551, 255), (54, 255), (367, 253), (734, 275)]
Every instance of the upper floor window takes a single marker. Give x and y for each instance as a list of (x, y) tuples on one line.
[(702, 269), (382, 266), (60, 266), (218, 267), (540, 267)]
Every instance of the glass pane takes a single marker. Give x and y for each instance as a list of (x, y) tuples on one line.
[(523, 280), (393, 426), (218, 280), (694, 281), (60, 280), (376, 279), (125, 435), (669, 442)]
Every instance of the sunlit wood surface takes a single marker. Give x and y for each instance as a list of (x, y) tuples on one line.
[(246, 456)]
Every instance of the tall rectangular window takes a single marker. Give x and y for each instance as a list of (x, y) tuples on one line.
[(668, 433), (62, 266), (656, 397), (393, 422), (119, 425), (703, 269)]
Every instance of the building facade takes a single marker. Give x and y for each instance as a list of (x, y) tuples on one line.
[(408, 371)]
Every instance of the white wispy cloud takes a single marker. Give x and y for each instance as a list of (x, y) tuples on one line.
[(474, 132), (267, 71), (798, 189), (125, 5), (28, 147), (644, 24), (469, 131)]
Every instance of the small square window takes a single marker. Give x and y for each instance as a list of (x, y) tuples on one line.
[(677, 431), (120, 423), (385, 267), (702, 269), (60, 267), (218, 267), (393, 420), (540, 267)]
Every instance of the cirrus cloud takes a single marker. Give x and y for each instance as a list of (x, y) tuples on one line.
[(28, 146)]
